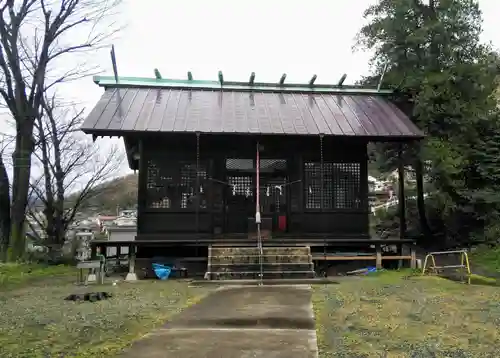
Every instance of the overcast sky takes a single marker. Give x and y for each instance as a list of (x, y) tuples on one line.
[(300, 38), (268, 37)]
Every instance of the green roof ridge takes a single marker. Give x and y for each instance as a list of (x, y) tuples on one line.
[(146, 82)]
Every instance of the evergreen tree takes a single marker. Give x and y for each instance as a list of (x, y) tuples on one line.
[(445, 81)]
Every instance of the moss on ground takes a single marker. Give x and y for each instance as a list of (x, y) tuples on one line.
[(399, 315), (38, 322)]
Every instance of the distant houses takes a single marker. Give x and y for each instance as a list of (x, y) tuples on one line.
[(122, 227)]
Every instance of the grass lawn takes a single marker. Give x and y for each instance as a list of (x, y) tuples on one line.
[(390, 315), (13, 275), (36, 321), (487, 259)]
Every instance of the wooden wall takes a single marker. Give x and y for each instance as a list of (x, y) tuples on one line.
[(167, 150)]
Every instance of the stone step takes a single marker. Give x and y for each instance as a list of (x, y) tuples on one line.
[(287, 267), (244, 251), (267, 275), (250, 259)]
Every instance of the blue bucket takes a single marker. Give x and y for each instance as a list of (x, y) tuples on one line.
[(162, 271), (370, 270)]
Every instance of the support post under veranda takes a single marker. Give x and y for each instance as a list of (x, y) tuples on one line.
[(131, 275), (401, 201)]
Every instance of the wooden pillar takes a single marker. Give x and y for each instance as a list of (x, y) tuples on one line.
[(401, 194), (413, 254), (141, 187), (378, 262), (131, 275), (401, 252), (118, 253)]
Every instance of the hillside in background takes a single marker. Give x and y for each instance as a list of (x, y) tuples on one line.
[(120, 192)]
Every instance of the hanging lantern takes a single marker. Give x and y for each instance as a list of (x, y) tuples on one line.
[(234, 189), (310, 190), (201, 189), (267, 191)]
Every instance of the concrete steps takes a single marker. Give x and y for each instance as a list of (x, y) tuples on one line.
[(244, 263)]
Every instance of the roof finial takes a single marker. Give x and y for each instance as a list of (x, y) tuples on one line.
[(252, 78), (311, 82), (221, 78), (382, 76), (190, 76), (157, 74), (342, 79), (282, 79), (113, 61)]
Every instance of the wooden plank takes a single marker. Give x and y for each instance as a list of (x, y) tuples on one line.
[(400, 257), (343, 258), (358, 258)]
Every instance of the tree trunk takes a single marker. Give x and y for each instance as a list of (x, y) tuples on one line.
[(20, 186), (60, 216), (4, 211)]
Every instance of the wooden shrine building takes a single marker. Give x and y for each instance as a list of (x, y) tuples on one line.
[(195, 145)]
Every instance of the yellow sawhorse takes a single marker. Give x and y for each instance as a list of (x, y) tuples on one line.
[(464, 262)]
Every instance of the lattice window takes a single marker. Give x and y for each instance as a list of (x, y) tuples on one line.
[(341, 185), (347, 183), (173, 185), (240, 185)]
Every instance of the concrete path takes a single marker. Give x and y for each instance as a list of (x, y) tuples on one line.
[(238, 322)]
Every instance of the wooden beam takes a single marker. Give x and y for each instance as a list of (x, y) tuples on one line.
[(157, 74), (313, 79), (282, 79), (190, 76), (252, 79), (343, 258), (360, 258), (342, 79)]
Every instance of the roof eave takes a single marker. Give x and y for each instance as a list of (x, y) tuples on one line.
[(380, 138)]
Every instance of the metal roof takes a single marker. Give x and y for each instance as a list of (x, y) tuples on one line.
[(164, 109)]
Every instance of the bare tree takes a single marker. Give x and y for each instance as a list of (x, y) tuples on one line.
[(4, 201), (71, 169), (35, 36)]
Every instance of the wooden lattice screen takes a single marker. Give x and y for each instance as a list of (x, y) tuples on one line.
[(341, 185), (173, 185)]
